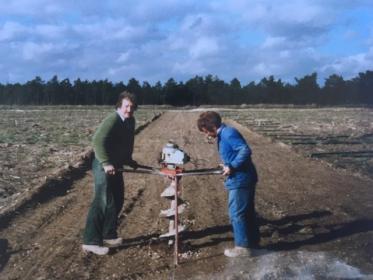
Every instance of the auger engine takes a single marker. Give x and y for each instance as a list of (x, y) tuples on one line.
[(172, 156)]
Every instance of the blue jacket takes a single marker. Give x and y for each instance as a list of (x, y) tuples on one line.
[(236, 153)]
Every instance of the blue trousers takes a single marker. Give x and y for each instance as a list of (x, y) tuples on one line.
[(107, 202), (241, 205)]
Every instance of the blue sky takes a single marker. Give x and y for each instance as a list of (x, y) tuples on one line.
[(156, 40)]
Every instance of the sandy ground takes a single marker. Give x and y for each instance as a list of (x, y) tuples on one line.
[(316, 221)]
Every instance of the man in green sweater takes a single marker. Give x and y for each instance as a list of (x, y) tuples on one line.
[(113, 146)]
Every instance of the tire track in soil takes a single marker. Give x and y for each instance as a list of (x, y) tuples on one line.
[(44, 242)]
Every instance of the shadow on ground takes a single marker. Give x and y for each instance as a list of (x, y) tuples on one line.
[(308, 230)]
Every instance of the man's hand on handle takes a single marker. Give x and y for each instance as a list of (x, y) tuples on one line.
[(226, 170), (133, 164), (109, 169)]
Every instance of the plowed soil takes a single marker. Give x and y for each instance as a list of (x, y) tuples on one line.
[(314, 219)]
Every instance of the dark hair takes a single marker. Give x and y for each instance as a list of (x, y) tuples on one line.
[(126, 95), (209, 120)]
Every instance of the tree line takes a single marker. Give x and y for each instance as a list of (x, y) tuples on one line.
[(196, 91)]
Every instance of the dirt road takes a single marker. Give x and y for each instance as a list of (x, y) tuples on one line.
[(315, 220)]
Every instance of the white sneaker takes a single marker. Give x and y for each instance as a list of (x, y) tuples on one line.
[(95, 249), (114, 242), (237, 252)]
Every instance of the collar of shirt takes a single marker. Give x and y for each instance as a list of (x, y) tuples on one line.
[(220, 128), (121, 115)]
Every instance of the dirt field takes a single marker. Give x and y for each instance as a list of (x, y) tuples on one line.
[(316, 221), (36, 143), (342, 137)]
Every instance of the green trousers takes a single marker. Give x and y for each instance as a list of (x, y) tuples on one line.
[(107, 202)]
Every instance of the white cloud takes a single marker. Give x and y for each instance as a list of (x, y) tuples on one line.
[(189, 67), (349, 66), (285, 54), (123, 57), (274, 42), (297, 18), (152, 40), (33, 51), (51, 31), (203, 46), (11, 30), (34, 7)]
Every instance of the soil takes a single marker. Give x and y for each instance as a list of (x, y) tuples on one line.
[(314, 219), (36, 143)]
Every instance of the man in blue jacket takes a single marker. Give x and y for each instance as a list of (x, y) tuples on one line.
[(240, 182)]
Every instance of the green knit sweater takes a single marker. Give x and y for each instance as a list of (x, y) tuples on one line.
[(113, 140)]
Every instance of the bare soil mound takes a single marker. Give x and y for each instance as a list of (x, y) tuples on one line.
[(315, 220)]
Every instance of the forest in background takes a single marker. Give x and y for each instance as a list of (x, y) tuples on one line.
[(196, 91)]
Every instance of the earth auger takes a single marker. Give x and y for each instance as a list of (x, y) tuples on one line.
[(172, 160)]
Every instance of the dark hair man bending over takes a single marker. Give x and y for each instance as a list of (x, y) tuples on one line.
[(113, 146), (241, 180)]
